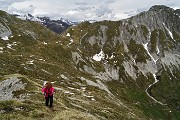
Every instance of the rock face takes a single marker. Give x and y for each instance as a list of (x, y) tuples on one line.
[(8, 86), (126, 69), (4, 29), (147, 42)]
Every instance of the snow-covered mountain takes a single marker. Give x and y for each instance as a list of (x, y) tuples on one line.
[(58, 26)]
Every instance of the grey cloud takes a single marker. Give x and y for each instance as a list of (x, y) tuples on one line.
[(102, 10), (110, 1), (131, 13), (171, 4), (9, 2), (4, 4), (81, 3), (142, 9), (84, 8), (26, 10), (105, 1)]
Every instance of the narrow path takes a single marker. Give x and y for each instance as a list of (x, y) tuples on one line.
[(156, 81)]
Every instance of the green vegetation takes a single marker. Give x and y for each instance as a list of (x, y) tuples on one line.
[(138, 51), (170, 93), (145, 31), (176, 36), (154, 39)]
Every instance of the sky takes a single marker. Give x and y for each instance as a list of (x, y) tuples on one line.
[(80, 10)]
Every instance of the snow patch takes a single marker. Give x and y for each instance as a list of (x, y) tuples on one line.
[(157, 49), (146, 48), (112, 56), (71, 41), (68, 35), (67, 92), (41, 59), (70, 88), (14, 43), (93, 99), (9, 46), (5, 38), (99, 56), (170, 33), (30, 62), (44, 43), (1, 49)]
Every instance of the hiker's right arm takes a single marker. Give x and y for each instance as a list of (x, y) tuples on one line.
[(43, 89)]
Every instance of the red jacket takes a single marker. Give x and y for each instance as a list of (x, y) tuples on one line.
[(48, 91)]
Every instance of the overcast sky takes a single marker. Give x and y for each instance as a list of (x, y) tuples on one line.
[(77, 10)]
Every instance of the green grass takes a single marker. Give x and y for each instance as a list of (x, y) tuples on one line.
[(21, 110)]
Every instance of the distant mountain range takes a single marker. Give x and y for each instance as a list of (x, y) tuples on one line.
[(58, 26)]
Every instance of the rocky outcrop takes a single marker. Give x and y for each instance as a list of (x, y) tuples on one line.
[(4, 31), (8, 86)]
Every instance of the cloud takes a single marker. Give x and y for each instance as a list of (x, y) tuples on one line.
[(22, 10), (4, 4), (121, 16), (109, 1), (72, 12), (81, 3), (10, 1), (102, 10), (83, 9)]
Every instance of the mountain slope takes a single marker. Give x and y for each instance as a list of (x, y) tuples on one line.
[(124, 69), (142, 51)]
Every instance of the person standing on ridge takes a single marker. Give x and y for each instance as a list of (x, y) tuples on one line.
[(48, 91)]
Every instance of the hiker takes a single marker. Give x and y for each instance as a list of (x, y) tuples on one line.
[(48, 91)]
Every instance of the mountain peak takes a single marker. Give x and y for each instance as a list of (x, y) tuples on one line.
[(159, 7)]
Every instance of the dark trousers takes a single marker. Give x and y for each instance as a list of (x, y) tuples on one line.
[(49, 98)]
